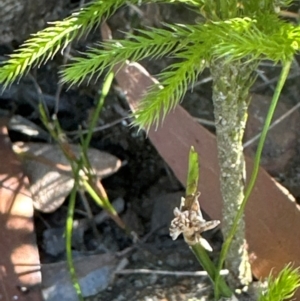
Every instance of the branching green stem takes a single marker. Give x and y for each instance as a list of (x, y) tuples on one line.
[(227, 243), (102, 203)]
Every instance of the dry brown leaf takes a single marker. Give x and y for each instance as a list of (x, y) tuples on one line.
[(19, 260), (50, 174)]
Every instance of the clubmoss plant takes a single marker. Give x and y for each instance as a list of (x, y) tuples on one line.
[(235, 37), (283, 286)]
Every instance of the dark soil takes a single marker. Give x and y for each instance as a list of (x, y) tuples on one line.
[(144, 177)]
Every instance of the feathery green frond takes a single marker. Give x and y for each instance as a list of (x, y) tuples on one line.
[(283, 286), (154, 44), (220, 39), (43, 45), (234, 39), (238, 38), (278, 41), (174, 82)]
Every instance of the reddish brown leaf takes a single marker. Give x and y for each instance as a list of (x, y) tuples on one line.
[(19, 260)]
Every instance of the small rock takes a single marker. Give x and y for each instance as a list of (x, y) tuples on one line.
[(54, 241), (94, 273)]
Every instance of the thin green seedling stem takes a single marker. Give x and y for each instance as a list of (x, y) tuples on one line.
[(92, 125), (69, 232), (105, 204), (102, 203), (203, 258), (227, 243), (86, 142)]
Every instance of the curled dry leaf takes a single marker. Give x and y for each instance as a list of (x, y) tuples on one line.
[(50, 174), (189, 221)]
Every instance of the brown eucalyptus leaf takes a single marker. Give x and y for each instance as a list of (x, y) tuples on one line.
[(49, 171), (19, 257)]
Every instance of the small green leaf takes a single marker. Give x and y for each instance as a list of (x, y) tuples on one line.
[(193, 173)]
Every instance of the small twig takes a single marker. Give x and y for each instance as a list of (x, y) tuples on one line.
[(98, 128), (274, 80), (66, 57), (168, 273), (136, 9), (200, 82), (40, 216), (267, 63), (276, 122), (289, 14), (264, 78), (2, 276), (39, 93), (205, 121)]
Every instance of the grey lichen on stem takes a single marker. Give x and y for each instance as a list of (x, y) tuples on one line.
[(231, 83)]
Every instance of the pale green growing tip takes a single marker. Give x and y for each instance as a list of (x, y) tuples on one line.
[(295, 45)]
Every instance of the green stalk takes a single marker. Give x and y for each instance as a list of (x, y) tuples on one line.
[(227, 243), (86, 142), (102, 203), (69, 231), (211, 270), (92, 125)]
